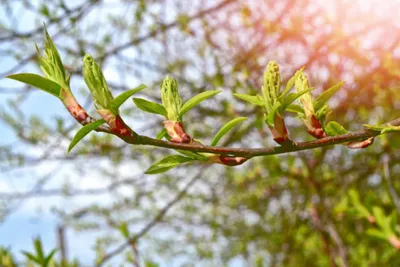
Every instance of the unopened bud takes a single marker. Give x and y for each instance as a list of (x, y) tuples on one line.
[(96, 83), (170, 98)]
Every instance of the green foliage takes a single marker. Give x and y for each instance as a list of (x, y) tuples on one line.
[(6, 258), (85, 130), (194, 101), (334, 128), (120, 99), (47, 85), (383, 129), (51, 63), (39, 257), (323, 98), (255, 100), (150, 107), (167, 163), (226, 128)]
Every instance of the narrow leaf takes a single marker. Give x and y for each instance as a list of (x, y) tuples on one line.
[(123, 229), (193, 155), (226, 128), (162, 134), (84, 131), (197, 100), (31, 257), (377, 128), (49, 257), (290, 98), (377, 234), (167, 163), (295, 109), (150, 107), (38, 81), (38, 247), (253, 99), (291, 82), (334, 128), (325, 96), (119, 100), (390, 129)]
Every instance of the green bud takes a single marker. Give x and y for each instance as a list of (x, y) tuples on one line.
[(272, 84), (170, 98), (51, 63), (96, 82), (306, 99)]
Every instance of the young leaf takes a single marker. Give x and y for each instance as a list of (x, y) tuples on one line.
[(49, 257), (377, 234), (253, 99), (291, 82), (31, 257), (334, 128), (167, 163), (390, 128), (197, 100), (119, 100), (226, 128), (193, 155), (290, 98), (377, 128), (325, 96), (150, 107), (38, 81), (123, 229), (84, 131), (295, 109), (38, 247), (162, 134)]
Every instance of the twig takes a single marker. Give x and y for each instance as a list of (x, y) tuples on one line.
[(392, 191), (155, 220)]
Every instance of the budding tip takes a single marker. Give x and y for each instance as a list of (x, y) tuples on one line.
[(88, 59)]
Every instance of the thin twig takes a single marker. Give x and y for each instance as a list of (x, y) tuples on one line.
[(160, 215), (392, 190)]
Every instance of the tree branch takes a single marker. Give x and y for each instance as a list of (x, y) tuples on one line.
[(255, 152)]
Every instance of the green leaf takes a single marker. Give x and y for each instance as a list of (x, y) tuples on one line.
[(226, 128), (31, 257), (377, 128), (253, 99), (162, 134), (193, 155), (295, 109), (150, 107), (334, 128), (270, 117), (390, 129), (197, 100), (49, 257), (290, 98), (291, 82), (38, 247), (123, 229), (84, 131), (38, 81), (325, 96), (377, 234), (119, 100), (167, 163)]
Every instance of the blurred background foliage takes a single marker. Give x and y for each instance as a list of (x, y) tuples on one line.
[(326, 207)]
